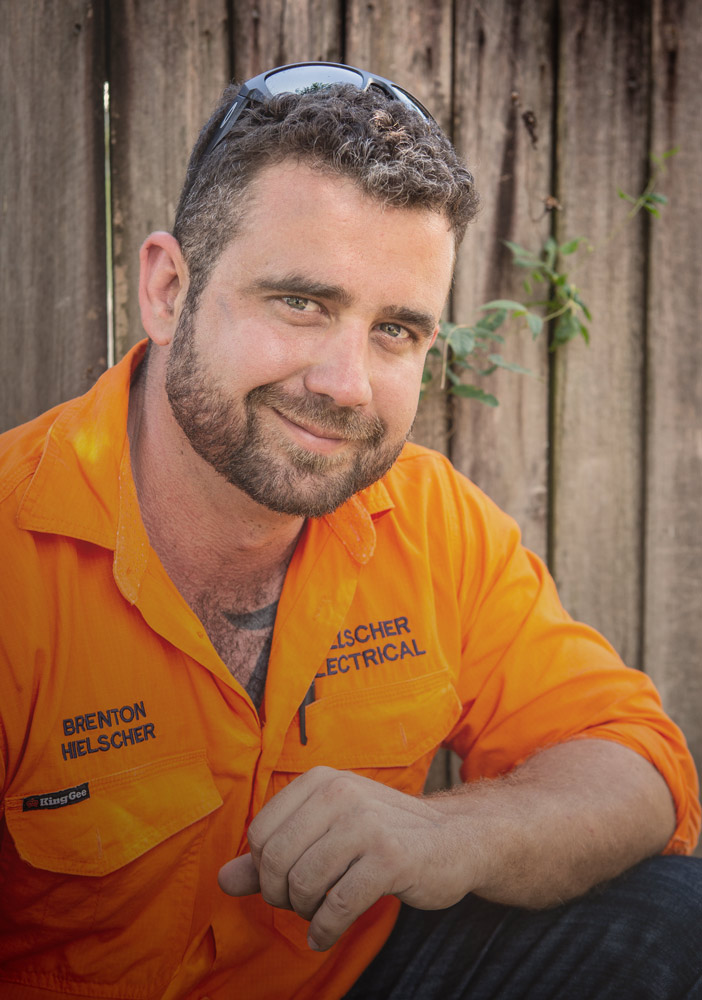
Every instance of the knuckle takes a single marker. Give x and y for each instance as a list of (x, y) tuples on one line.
[(273, 862), (300, 889), (339, 907), (339, 789), (320, 774), (256, 842), (274, 892)]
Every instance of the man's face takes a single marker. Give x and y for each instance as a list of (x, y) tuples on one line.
[(297, 378)]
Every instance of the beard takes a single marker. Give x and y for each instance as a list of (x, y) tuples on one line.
[(270, 468)]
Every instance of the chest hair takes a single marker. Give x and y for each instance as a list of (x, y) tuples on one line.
[(241, 630)]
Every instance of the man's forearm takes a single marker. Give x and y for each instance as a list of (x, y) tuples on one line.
[(331, 843), (571, 816)]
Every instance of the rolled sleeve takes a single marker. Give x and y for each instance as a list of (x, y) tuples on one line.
[(532, 677)]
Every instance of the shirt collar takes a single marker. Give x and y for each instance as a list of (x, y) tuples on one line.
[(75, 489), (353, 522)]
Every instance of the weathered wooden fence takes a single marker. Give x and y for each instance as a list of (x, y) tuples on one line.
[(600, 457)]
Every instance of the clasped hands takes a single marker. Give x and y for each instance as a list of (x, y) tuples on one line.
[(331, 843)]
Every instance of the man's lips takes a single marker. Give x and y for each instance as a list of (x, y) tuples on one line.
[(314, 437)]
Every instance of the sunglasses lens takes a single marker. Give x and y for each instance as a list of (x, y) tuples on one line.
[(405, 98), (303, 79)]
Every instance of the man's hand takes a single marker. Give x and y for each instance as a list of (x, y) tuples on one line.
[(331, 843)]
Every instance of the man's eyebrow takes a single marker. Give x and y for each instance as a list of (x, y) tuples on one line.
[(424, 322), (300, 284)]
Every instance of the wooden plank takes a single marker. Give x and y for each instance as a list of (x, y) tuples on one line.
[(169, 62), (275, 32), (52, 250), (597, 435), (673, 587), (410, 42), (503, 112)]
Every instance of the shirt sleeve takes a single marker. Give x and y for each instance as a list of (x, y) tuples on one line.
[(532, 677)]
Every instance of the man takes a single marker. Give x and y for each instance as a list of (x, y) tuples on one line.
[(243, 613)]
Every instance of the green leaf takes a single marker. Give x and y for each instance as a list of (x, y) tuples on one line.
[(508, 304), (473, 392), (509, 366), (670, 152), (571, 246), (652, 211), (660, 199), (426, 376), (482, 334), (527, 286), (585, 333), (519, 251), (626, 197), (550, 251), (535, 323), (491, 321), (576, 298), (567, 327), (521, 257), (462, 341), (462, 366), (515, 247)]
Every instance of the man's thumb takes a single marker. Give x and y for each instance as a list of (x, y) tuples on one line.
[(239, 877)]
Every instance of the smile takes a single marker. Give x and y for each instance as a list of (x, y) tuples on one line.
[(313, 438)]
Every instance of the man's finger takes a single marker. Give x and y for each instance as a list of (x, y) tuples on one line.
[(306, 854), (239, 877), (284, 805), (362, 885)]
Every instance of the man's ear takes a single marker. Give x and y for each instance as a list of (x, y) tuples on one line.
[(163, 285)]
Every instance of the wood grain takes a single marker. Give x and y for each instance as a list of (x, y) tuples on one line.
[(673, 581), (597, 442), (169, 62), (275, 32), (53, 342), (503, 101)]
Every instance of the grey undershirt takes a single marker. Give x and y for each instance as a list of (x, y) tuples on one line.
[(257, 621)]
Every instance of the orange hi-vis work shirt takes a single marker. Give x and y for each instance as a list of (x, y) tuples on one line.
[(133, 761)]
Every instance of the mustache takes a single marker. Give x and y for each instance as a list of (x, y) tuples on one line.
[(321, 412)]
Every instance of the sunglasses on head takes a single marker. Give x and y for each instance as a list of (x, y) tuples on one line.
[(301, 78)]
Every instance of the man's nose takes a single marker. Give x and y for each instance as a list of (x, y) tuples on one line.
[(341, 369)]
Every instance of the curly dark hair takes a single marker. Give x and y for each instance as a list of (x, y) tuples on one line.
[(390, 151)]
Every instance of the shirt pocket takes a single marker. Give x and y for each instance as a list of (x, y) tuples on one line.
[(388, 733), (393, 725), (97, 895)]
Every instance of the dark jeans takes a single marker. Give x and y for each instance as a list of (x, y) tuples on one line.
[(637, 937)]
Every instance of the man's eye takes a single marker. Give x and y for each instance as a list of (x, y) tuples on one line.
[(395, 331), (298, 303)]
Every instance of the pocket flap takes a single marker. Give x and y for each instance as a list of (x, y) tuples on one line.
[(381, 726), (118, 818)]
